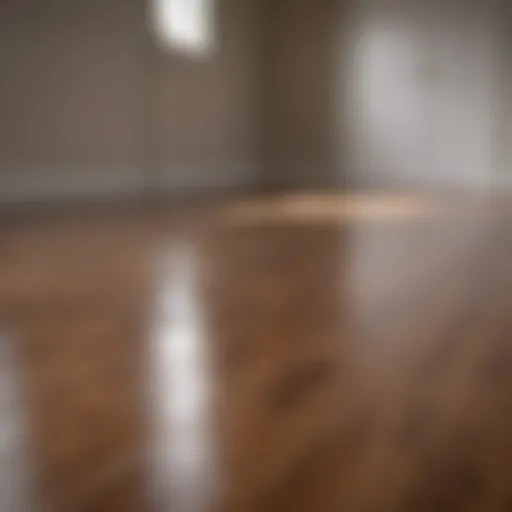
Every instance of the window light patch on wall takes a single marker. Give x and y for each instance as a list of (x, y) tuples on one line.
[(184, 25)]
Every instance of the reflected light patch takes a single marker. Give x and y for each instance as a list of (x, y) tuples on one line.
[(181, 392), (318, 208), (16, 493)]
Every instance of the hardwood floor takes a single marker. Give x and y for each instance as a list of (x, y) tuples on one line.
[(299, 354)]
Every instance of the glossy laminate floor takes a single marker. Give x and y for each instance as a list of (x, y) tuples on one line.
[(302, 354)]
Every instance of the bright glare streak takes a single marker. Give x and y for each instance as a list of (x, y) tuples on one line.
[(182, 388)]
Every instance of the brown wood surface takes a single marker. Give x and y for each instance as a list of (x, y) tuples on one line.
[(327, 354)]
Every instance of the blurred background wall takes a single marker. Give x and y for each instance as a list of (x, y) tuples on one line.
[(91, 104), (305, 93), (424, 91), (300, 91)]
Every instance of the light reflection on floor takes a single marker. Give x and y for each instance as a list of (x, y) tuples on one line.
[(329, 208), (15, 478), (182, 389)]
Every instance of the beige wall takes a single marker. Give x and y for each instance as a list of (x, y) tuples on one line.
[(405, 94), (503, 178), (206, 112), (89, 104), (70, 97), (300, 92)]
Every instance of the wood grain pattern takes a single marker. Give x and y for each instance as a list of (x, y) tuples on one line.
[(207, 359)]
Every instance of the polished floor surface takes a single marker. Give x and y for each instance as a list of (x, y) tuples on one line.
[(302, 354)]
